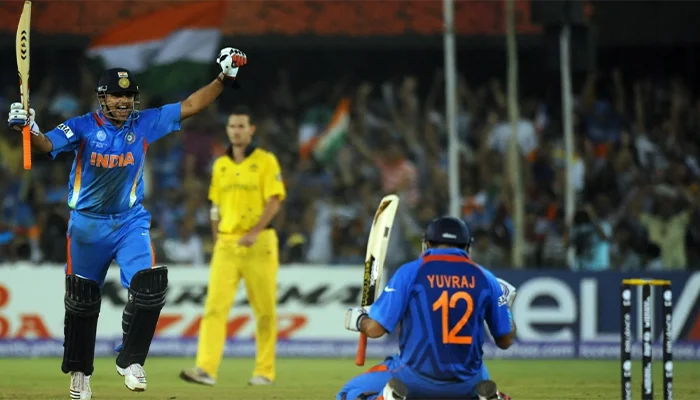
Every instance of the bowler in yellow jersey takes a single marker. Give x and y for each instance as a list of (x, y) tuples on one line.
[(246, 193)]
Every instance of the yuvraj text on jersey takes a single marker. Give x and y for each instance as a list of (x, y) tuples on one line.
[(451, 281)]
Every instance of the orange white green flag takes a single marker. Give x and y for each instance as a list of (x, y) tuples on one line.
[(324, 146), (169, 50)]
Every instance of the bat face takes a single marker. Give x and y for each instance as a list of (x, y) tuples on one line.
[(377, 247), (22, 52), (22, 55), (374, 260)]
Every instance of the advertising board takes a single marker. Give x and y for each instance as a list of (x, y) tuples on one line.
[(559, 314)]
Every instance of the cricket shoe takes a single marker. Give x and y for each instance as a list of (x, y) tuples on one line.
[(394, 390), (80, 386), (197, 375), (134, 377), (487, 390), (259, 381)]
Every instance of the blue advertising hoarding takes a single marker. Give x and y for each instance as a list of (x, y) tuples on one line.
[(579, 312)]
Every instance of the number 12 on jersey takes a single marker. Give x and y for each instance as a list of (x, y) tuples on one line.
[(446, 303)]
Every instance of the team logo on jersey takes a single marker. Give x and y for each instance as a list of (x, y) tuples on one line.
[(124, 83), (101, 135), (253, 168), (130, 137)]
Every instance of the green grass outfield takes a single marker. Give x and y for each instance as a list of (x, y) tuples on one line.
[(321, 379)]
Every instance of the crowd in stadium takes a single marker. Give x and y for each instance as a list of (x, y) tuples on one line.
[(635, 173)]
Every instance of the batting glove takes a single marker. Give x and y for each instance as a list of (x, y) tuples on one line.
[(230, 60), (509, 292), (353, 316), (18, 118)]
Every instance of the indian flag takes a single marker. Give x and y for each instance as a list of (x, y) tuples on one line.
[(169, 50), (324, 146)]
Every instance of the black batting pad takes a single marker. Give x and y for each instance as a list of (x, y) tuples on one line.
[(82, 303), (146, 300)]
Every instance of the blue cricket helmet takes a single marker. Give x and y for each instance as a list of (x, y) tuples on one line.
[(118, 81), (448, 231)]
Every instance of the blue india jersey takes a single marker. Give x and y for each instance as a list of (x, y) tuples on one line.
[(107, 173), (441, 302)]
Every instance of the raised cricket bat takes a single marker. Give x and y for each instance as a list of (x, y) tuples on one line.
[(374, 260), (22, 53)]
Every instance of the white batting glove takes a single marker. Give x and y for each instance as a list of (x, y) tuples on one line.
[(509, 292), (230, 60), (18, 118), (353, 316)]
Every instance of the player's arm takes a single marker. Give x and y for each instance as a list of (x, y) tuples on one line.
[(202, 98), (498, 315), (18, 118), (40, 142), (168, 118), (504, 342), (214, 216), (371, 328), (272, 207), (215, 198), (65, 137), (230, 60), (385, 314), (273, 191)]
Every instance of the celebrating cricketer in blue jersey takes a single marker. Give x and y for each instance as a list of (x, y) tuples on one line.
[(440, 302), (108, 221)]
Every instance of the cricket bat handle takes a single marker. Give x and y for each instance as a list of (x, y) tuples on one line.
[(361, 350), (27, 147)]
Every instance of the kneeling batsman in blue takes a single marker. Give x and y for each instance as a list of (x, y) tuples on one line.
[(440, 302)]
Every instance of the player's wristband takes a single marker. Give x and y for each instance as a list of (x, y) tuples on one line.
[(34, 128), (228, 81), (359, 322), (214, 213)]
